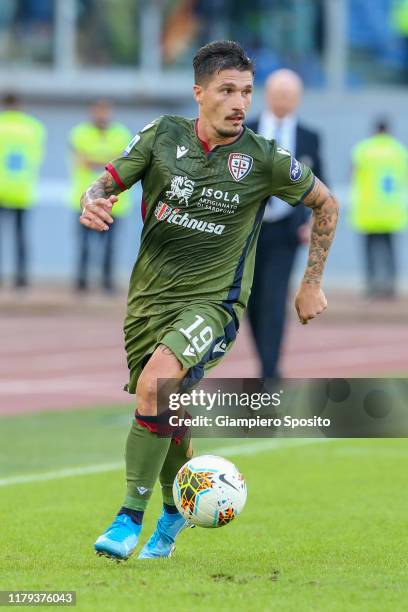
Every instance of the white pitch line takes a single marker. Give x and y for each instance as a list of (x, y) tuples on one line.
[(253, 448), (63, 473)]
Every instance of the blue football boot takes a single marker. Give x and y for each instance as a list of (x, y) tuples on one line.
[(162, 542), (119, 540)]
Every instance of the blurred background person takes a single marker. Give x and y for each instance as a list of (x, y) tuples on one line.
[(22, 144), (379, 205), (399, 21), (93, 144), (284, 228)]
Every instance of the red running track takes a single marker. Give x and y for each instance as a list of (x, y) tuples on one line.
[(70, 361)]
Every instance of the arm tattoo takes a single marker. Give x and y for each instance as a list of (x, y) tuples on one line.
[(103, 187), (325, 212)]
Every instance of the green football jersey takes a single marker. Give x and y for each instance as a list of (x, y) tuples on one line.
[(203, 212)]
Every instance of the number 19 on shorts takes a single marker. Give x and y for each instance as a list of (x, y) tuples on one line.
[(200, 339)]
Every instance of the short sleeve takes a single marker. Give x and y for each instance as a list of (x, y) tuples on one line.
[(291, 180), (131, 166)]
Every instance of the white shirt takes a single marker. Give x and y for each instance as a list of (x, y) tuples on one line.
[(284, 132)]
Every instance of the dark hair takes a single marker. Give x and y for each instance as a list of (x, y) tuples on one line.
[(220, 55), (10, 99), (381, 125)]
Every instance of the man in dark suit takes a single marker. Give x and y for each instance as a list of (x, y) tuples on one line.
[(284, 228)]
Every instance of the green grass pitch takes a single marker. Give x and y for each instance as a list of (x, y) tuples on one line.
[(325, 525)]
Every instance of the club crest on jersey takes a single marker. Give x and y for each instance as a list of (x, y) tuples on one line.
[(240, 165), (163, 210), (296, 171), (181, 189)]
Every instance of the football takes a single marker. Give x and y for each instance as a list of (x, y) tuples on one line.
[(209, 491)]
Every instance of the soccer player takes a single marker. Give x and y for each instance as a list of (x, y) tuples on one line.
[(205, 184)]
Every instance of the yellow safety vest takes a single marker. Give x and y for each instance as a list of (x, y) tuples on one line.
[(99, 147), (399, 16), (22, 140), (380, 185)]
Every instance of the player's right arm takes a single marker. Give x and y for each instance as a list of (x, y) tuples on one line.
[(97, 202), (121, 174)]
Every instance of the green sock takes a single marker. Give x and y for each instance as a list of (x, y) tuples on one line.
[(145, 454), (176, 457)]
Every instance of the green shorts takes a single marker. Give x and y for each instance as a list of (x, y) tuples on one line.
[(199, 335)]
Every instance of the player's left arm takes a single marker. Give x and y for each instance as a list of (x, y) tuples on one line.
[(310, 299)]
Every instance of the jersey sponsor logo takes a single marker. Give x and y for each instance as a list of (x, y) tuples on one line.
[(217, 194), (164, 212), (181, 189), (296, 170), (218, 201), (240, 165), (181, 151), (131, 144), (282, 151)]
